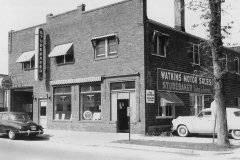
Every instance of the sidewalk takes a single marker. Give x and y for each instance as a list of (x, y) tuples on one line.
[(106, 139)]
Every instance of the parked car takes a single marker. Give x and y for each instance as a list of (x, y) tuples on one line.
[(204, 123), (18, 123)]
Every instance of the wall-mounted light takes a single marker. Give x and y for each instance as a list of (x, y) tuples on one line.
[(48, 97)]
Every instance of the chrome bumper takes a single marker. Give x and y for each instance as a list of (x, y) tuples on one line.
[(28, 132)]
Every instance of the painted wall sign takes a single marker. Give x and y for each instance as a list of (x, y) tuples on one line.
[(150, 96), (175, 81), (6, 83), (39, 37)]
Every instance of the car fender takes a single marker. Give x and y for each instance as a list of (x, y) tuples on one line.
[(186, 121)]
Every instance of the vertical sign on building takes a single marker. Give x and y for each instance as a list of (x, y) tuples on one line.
[(39, 54)]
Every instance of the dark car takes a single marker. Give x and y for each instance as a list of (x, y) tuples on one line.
[(18, 123)]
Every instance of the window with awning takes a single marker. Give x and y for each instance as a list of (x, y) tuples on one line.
[(63, 53), (27, 59), (169, 98), (105, 46), (167, 101)]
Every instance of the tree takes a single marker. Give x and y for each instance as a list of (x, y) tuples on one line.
[(211, 15)]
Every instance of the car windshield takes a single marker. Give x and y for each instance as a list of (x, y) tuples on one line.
[(19, 117), (237, 114)]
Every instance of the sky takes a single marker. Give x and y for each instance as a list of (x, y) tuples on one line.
[(19, 14)]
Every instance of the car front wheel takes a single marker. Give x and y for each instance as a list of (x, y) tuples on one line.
[(11, 135), (182, 131), (236, 134)]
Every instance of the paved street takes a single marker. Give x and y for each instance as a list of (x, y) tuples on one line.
[(73, 145)]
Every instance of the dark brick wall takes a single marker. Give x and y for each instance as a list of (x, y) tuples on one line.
[(178, 59)]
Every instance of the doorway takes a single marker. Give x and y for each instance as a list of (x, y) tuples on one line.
[(122, 115), (43, 113)]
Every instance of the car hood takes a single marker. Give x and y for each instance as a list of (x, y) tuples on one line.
[(25, 122)]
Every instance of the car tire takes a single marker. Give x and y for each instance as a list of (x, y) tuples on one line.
[(11, 135), (182, 131), (235, 134)]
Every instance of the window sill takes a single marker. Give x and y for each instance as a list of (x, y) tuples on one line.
[(104, 58), (166, 117), (29, 69), (63, 64), (90, 121), (60, 120), (194, 64), (158, 55)]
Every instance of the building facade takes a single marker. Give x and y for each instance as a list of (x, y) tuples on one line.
[(91, 70), (4, 92)]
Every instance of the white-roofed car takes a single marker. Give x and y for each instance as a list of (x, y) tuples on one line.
[(204, 123)]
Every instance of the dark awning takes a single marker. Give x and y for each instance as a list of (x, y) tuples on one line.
[(169, 98)]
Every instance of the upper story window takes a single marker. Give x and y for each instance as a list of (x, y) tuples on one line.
[(223, 61), (159, 42), (105, 46), (236, 65), (195, 54), (64, 54), (27, 59)]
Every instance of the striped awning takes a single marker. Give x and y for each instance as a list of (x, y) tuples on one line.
[(26, 56), (79, 80), (60, 50), (104, 36), (169, 98)]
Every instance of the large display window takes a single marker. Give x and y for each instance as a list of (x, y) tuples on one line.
[(62, 103), (90, 102)]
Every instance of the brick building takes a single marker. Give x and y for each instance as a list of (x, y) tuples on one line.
[(81, 70), (3, 93)]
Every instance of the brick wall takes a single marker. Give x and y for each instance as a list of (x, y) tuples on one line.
[(78, 27)]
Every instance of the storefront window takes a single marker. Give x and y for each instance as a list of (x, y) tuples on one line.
[(165, 111), (62, 103), (90, 102), (196, 103)]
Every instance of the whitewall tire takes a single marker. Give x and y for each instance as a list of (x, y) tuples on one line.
[(182, 131), (235, 134), (11, 135)]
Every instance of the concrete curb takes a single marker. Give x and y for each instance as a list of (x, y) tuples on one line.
[(168, 150)]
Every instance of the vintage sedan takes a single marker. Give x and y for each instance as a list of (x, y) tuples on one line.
[(18, 123), (204, 123)]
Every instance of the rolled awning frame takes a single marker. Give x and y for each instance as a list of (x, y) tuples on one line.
[(95, 39)]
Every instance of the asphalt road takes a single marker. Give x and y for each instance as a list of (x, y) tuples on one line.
[(42, 148)]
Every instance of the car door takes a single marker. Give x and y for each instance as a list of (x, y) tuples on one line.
[(4, 121), (203, 123)]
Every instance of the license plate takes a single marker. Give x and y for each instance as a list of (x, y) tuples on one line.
[(33, 128)]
